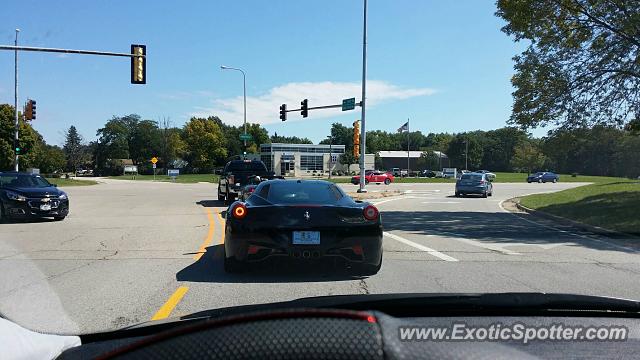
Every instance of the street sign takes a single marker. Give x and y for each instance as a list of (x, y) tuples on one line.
[(173, 172), (154, 166), (246, 137), (130, 169), (348, 104), (154, 160)]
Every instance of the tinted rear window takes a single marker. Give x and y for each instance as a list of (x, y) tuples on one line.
[(246, 166), (293, 192), (474, 177)]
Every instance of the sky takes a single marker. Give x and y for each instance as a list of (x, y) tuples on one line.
[(445, 65)]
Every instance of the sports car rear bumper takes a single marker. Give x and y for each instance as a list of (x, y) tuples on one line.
[(361, 244)]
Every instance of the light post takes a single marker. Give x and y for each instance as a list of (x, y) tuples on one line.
[(330, 137), (15, 104), (244, 92), (466, 154), (363, 128)]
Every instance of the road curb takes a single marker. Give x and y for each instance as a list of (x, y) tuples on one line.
[(565, 221)]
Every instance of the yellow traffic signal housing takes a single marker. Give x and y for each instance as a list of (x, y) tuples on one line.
[(139, 64), (356, 139)]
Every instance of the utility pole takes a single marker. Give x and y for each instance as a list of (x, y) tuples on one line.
[(408, 132), (330, 155), (15, 104), (466, 154), (364, 93)]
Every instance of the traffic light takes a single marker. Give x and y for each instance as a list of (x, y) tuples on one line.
[(27, 111), (304, 108), (33, 109), (356, 139), (283, 112), (139, 64), (16, 147)]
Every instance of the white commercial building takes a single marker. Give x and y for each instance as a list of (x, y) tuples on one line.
[(306, 159)]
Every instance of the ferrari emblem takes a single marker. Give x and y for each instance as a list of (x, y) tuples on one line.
[(307, 216)]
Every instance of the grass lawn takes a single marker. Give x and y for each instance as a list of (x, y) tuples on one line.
[(612, 205), (70, 182), (185, 179)]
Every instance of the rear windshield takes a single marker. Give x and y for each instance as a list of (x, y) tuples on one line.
[(293, 192), (245, 166), (474, 177)]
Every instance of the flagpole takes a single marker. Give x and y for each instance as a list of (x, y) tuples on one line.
[(408, 147)]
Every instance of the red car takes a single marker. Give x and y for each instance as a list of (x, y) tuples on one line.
[(374, 176)]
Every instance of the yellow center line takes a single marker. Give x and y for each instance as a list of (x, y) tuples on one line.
[(168, 306), (209, 239)]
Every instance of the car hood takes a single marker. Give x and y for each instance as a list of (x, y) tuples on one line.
[(36, 192)]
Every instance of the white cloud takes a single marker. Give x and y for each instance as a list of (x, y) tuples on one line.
[(264, 109)]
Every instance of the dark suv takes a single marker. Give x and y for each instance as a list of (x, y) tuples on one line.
[(25, 195)]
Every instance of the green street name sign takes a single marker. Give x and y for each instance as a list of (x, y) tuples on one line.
[(348, 104)]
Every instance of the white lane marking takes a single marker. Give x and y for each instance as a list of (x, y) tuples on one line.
[(387, 200), (564, 231), (441, 202), (480, 244), (429, 250)]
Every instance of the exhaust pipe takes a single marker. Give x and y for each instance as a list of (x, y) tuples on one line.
[(306, 254)]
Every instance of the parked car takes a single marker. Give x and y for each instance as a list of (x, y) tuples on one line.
[(543, 177), (474, 183), (374, 176), (428, 173)]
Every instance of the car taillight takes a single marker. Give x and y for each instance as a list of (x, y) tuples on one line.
[(481, 181), (239, 211), (251, 189), (370, 212)]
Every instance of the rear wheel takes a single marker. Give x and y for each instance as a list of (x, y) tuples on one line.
[(366, 182), (555, 181), (59, 218), (231, 265), (220, 196), (227, 198), (539, 181), (484, 194), (457, 194), (3, 218), (387, 181)]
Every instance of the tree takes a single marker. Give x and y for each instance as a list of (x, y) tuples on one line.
[(73, 149), (347, 159), (30, 140), (428, 160), (581, 66), (275, 138), (499, 147), (205, 143), (527, 156), (457, 149), (113, 143), (53, 159), (145, 142)]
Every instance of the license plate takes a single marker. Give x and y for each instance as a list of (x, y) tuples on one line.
[(306, 237), (45, 207)]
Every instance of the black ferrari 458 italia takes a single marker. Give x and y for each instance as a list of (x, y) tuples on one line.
[(302, 219)]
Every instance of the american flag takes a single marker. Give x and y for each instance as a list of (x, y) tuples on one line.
[(404, 127)]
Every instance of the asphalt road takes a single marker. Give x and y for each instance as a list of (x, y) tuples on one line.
[(132, 251)]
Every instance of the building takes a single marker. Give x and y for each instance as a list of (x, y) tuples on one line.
[(398, 159), (305, 159)]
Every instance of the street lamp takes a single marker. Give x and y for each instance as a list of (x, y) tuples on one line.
[(330, 137), (244, 91), (466, 153)]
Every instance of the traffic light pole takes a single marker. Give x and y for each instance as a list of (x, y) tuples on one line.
[(17, 48), (15, 104), (363, 130)]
